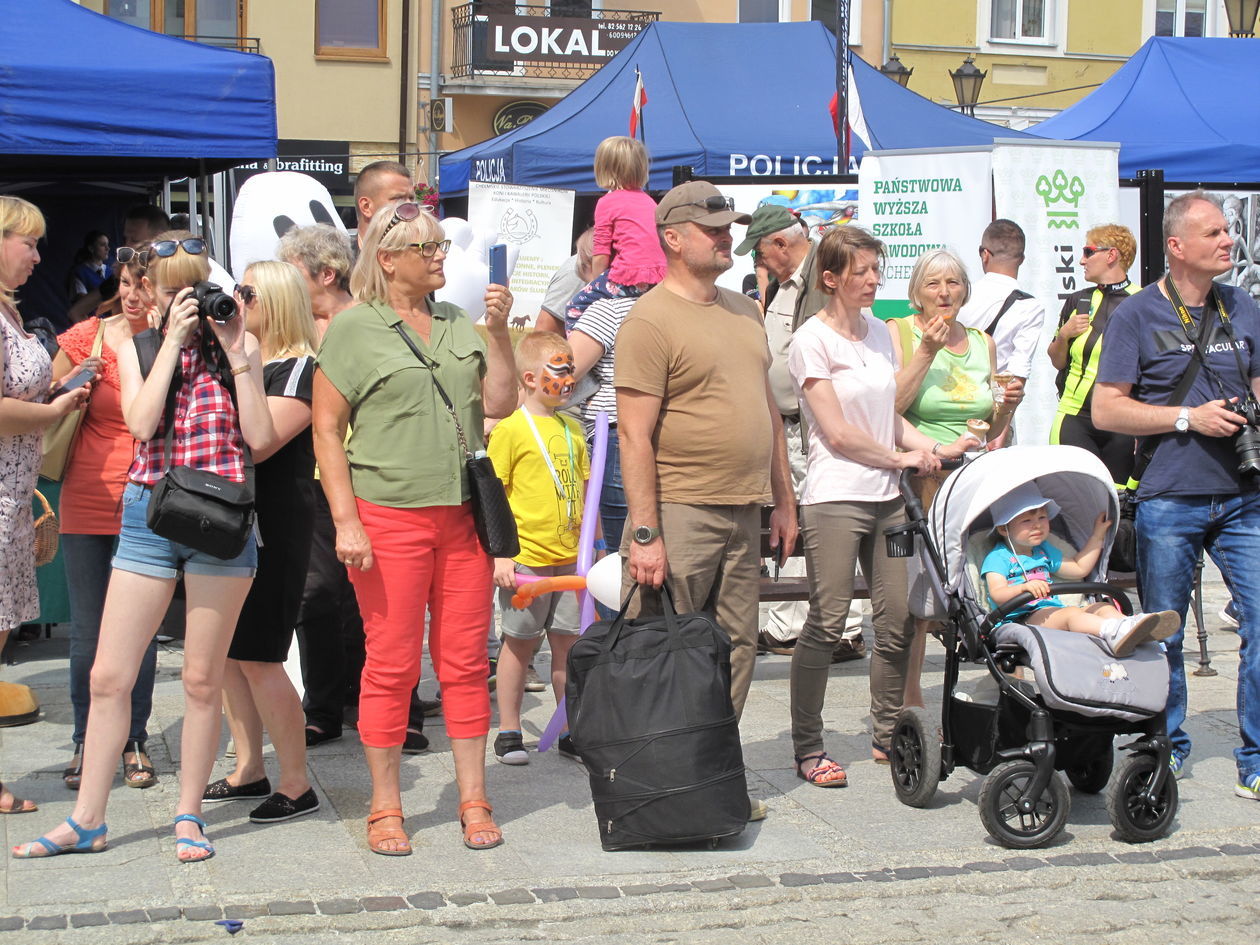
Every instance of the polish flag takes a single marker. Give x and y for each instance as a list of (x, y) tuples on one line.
[(636, 109)]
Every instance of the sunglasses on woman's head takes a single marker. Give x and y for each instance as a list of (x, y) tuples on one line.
[(126, 255), (247, 293), (403, 213), (430, 247), (194, 246)]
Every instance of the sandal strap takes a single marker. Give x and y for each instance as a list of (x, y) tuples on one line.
[(474, 805), (383, 813), (801, 759), (190, 818), (200, 844)]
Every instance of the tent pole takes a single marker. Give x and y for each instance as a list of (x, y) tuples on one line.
[(1151, 195), (193, 224), (842, 84)]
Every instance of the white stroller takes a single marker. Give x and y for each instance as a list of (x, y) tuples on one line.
[(1019, 732)]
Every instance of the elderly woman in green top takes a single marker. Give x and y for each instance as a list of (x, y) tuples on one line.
[(398, 493), (944, 379)]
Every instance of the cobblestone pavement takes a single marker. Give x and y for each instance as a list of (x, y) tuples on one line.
[(852, 863)]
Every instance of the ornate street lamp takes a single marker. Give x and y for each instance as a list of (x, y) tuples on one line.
[(967, 81), (894, 69), (1242, 16)]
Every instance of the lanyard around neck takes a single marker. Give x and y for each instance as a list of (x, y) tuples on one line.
[(561, 491), (1198, 341)]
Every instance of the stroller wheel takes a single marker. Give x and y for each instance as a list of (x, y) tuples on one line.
[(915, 757), (1000, 813), (1092, 775), (1137, 818)]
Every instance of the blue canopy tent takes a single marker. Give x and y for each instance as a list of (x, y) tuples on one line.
[(1190, 107), (83, 95), (708, 109)]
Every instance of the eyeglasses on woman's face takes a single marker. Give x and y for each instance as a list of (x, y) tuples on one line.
[(430, 247)]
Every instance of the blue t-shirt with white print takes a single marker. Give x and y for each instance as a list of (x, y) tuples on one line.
[(1041, 565)]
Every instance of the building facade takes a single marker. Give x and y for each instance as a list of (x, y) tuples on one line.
[(362, 80)]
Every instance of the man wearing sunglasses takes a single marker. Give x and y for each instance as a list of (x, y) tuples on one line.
[(1077, 347), (379, 184), (701, 437)]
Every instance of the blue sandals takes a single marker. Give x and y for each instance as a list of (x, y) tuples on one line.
[(87, 843)]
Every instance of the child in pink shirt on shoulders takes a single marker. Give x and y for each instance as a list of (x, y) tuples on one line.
[(625, 228)]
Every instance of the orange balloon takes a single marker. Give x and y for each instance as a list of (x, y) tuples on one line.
[(565, 582)]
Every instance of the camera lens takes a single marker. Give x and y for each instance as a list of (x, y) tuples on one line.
[(213, 302)]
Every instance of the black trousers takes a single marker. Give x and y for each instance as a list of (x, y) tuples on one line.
[(330, 633)]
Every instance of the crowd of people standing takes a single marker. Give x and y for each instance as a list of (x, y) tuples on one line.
[(348, 399)]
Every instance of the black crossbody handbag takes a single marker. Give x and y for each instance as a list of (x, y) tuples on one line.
[(193, 507), (496, 526)]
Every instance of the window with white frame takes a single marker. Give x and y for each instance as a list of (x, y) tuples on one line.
[(1020, 20), (1181, 18)]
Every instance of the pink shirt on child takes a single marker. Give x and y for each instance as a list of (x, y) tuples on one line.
[(625, 229)]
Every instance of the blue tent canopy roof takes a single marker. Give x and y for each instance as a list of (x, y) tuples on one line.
[(714, 113), (85, 93), (1190, 107)]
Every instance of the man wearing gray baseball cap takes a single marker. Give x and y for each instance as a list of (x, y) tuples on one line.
[(701, 438)]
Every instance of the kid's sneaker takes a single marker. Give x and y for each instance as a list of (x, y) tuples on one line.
[(510, 749), (1250, 788), (1123, 635)]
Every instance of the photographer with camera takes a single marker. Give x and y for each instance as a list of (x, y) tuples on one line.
[(196, 411), (1181, 369)]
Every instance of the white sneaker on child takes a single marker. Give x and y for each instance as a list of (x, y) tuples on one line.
[(1123, 635)]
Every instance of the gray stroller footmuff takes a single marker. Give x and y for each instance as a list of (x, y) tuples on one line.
[(1075, 673)]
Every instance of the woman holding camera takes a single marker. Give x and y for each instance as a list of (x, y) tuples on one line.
[(257, 692), (201, 361), (399, 496), (90, 511), (25, 372)]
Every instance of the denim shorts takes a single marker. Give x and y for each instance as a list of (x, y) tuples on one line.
[(142, 552)]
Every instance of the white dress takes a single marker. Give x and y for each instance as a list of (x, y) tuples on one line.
[(27, 374)]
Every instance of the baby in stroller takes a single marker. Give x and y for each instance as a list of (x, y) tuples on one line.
[(1023, 561)]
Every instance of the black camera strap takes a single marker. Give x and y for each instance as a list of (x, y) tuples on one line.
[(1200, 339)]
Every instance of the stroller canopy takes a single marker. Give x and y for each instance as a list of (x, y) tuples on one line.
[(1075, 478)]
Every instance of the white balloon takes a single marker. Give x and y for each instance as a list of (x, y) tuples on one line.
[(466, 281), (603, 580), (458, 230)]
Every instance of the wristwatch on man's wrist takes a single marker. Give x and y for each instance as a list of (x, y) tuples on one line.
[(645, 535), (1182, 423)]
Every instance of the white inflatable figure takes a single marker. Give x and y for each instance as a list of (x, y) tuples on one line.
[(267, 206), (222, 278), (467, 266)]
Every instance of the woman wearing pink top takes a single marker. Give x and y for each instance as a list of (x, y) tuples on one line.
[(625, 228)]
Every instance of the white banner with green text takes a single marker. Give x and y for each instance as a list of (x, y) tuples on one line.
[(919, 200), (1056, 192)]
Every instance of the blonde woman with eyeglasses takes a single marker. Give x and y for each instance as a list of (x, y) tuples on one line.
[(399, 498)]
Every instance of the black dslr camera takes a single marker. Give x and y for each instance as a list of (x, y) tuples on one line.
[(1247, 440), (214, 303)]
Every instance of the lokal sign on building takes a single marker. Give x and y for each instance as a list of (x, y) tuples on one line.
[(536, 38)]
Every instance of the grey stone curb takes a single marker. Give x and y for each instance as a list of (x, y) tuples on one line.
[(431, 899)]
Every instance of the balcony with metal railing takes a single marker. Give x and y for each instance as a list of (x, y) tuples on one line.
[(497, 40), (249, 44)]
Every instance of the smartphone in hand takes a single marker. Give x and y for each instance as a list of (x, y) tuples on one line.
[(75, 381), (498, 264)]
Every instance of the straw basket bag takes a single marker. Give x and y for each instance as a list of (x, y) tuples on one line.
[(46, 533)]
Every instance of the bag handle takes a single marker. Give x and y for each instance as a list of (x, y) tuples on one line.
[(450, 407), (667, 609)]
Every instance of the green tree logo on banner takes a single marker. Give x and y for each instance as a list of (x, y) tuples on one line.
[(1058, 189)]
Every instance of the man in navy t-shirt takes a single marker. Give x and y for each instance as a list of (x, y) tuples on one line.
[(1192, 495)]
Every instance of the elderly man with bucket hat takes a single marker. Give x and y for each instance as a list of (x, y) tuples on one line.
[(780, 241), (701, 437)]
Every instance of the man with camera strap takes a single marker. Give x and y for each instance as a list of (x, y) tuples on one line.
[(1201, 488)]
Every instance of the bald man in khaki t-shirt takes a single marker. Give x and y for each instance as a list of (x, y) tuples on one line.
[(702, 445)]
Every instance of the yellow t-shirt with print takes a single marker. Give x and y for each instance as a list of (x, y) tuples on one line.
[(548, 523)]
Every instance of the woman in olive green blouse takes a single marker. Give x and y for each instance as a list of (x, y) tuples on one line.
[(398, 493)]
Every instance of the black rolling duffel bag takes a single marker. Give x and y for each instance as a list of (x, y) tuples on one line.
[(649, 704)]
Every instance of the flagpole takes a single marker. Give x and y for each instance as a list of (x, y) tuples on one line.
[(842, 84)]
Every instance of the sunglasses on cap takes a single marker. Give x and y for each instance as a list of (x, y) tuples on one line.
[(403, 213), (1087, 251), (430, 247), (247, 293), (193, 246), (126, 255), (713, 204)]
